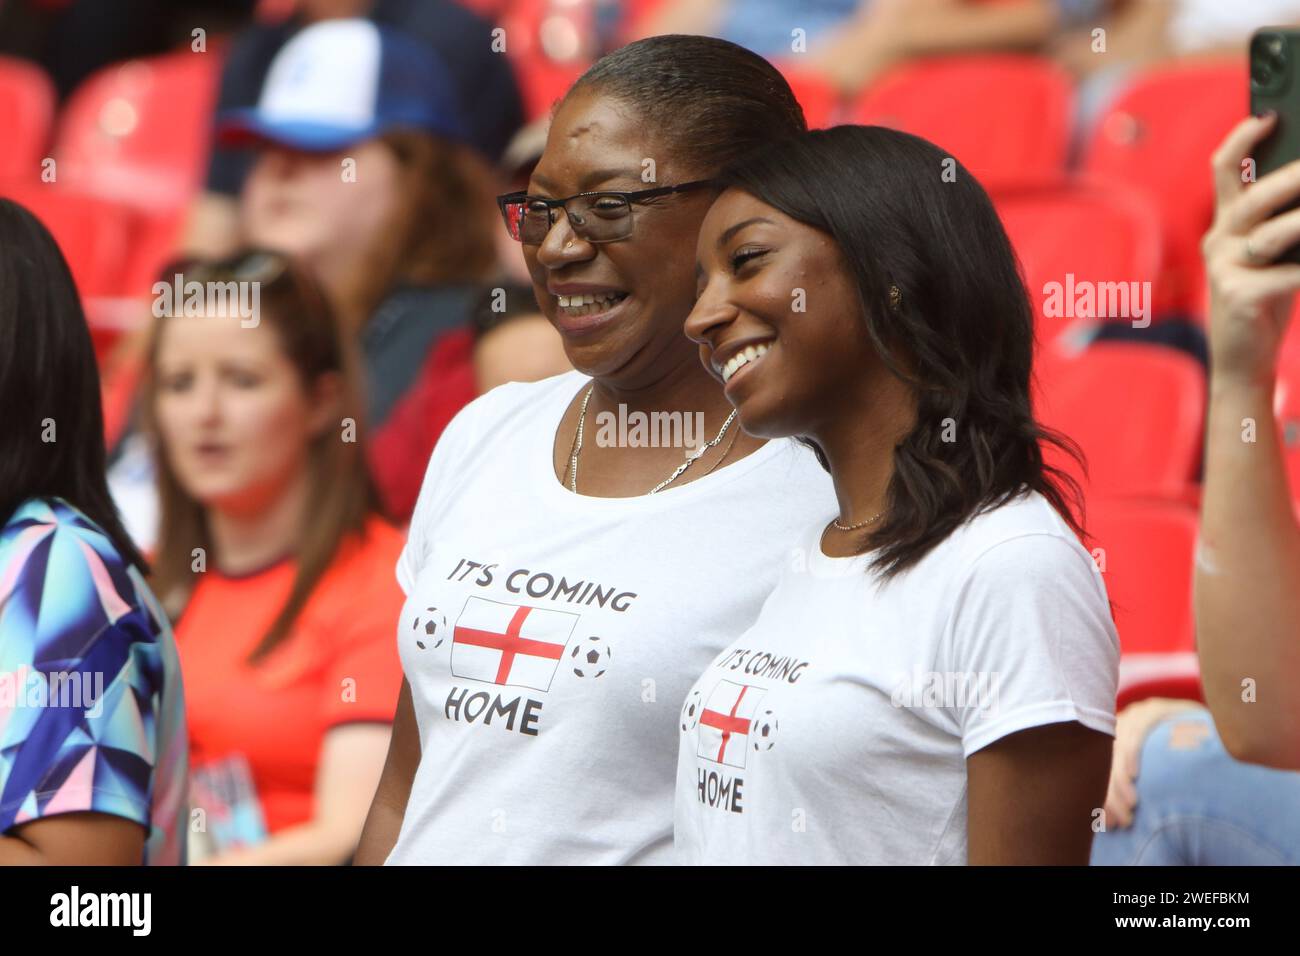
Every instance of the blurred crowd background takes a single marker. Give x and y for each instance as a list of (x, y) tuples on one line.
[(1091, 123)]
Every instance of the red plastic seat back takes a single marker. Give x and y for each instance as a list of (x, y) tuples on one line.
[(1138, 413), (26, 117), (1084, 249), (92, 233), (819, 99), (1145, 551), (139, 131), (1159, 135), (1004, 117), (550, 45)]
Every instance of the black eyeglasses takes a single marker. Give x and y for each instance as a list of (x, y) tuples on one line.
[(596, 216)]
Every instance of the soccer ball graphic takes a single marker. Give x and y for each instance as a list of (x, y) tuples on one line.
[(430, 628), (691, 711), (590, 657), (762, 732)]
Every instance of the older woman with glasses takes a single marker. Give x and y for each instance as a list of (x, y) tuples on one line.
[(583, 545)]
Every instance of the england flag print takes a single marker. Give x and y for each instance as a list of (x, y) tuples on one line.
[(509, 643), (725, 722)]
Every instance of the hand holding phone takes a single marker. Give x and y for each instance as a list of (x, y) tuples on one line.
[(1275, 88)]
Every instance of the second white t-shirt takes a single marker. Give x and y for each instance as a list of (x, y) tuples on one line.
[(549, 638), (836, 730)]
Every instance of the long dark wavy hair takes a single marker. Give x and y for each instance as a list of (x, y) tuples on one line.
[(905, 214), (48, 373)]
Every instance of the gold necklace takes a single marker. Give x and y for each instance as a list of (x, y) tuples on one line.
[(855, 527), (691, 456)]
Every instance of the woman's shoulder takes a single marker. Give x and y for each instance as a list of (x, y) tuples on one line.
[(39, 526), (48, 546), (514, 405), (1025, 533)]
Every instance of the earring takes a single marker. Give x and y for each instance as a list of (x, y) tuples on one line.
[(895, 298)]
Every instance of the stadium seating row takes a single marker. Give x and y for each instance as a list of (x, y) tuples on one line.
[(137, 133)]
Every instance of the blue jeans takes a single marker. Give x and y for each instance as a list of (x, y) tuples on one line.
[(1200, 807)]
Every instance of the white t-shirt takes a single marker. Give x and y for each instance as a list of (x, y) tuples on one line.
[(836, 730), (549, 638)]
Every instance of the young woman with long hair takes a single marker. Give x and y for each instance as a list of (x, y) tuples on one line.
[(934, 680), (274, 563)]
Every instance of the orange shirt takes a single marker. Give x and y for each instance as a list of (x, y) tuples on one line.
[(338, 665)]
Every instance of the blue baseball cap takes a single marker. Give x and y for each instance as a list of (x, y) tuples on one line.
[(339, 82)]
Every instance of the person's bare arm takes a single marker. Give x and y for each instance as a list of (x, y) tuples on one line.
[(389, 806), (954, 26), (1247, 588), (891, 31), (74, 839), (1032, 796), (1136, 34), (350, 762)]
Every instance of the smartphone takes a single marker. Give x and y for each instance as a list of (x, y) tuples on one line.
[(1275, 85)]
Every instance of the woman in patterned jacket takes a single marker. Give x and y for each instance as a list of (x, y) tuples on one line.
[(93, 753)]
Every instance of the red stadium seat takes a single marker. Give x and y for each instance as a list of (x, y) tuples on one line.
[(26, 117), (1159, 135), (1145, 551), (138, 132), (1076, 232), (1004, 117), (543, 82), (550, 45), (819, 99), (1136, 410), (92, 233)]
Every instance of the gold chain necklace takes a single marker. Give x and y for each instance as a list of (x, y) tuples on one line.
[(855, 527)]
